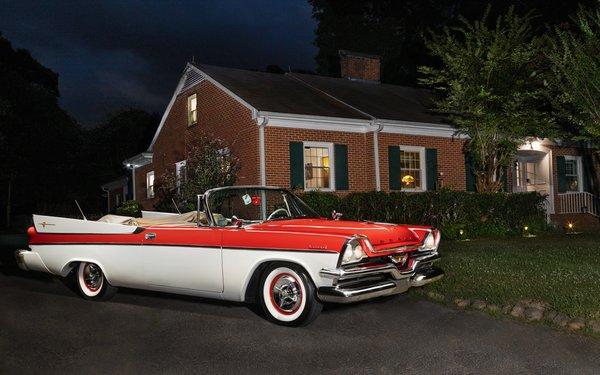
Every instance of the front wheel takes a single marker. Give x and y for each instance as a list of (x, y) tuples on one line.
[(92, 284), (288, 296)]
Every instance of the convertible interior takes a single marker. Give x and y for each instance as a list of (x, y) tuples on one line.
[(189, 218)]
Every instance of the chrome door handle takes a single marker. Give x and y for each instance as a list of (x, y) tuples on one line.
[(150, 236)]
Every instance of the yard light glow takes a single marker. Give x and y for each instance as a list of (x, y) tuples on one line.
[(570, 225), (525, 228)]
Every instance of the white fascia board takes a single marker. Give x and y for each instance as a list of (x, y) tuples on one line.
[(420, 128), (296, 121), (139, 160)]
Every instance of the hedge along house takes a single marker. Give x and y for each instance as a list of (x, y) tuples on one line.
[(335, 134)]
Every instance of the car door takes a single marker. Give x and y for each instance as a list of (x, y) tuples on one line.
[(186, 257)]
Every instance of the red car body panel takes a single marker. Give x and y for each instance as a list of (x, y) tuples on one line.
[(321, 235)]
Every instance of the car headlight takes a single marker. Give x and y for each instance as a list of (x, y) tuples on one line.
[(431, 241), (354, 251)]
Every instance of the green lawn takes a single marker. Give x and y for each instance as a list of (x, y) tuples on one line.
[(562, 270)]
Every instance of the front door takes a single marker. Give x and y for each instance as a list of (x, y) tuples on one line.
[(183, 258), (531, 172)]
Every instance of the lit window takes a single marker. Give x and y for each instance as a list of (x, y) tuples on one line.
[(180, 173), (318, 171), (412, 168), (150, 184), (573, 173), (192, 104)]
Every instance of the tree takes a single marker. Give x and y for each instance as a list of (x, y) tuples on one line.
[(39, 142), (209, 164), (574, 53), (575, 58), (491, 86), (125, 133), (393, 28)]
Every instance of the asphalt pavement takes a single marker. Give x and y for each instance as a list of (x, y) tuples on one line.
[(46, 328)]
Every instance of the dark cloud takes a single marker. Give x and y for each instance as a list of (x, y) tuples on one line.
[(116, 54)]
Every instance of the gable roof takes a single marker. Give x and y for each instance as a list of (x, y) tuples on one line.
[(312, 95), (271, 92), (380, 100)]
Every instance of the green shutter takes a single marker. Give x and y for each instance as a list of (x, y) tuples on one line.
[(340, 154), (587, 173), (394, 167), (470, 173), (431, 168), (296, 165), (560, 171)]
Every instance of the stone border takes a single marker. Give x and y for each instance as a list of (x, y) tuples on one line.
[(531, 311)]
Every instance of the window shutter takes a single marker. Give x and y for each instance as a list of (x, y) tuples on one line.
[(587, 173), (394, 167), (560, 171), (340, 153), (470, 173), (296, 165), (431, 168)]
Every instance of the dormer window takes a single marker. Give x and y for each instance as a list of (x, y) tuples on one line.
[(192, 104)]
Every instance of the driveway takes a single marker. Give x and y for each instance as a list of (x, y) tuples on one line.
[(45, 327)]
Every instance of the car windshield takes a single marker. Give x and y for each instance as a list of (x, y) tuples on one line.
[(253, 205)]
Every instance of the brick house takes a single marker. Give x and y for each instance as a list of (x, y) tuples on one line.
[(340, 134)]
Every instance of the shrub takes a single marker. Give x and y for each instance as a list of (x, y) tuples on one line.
[(477, 214), (130, 208)]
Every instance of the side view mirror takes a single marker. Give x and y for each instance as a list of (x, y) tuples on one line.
[(336, 215), (237, 222)]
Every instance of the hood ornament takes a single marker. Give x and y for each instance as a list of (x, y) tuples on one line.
[(336, 215)]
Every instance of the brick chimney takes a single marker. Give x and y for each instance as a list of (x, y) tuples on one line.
[(360, 66)]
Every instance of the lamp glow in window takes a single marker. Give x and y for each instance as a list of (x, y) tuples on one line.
[(150, 184), (410, 165), (572, 173)]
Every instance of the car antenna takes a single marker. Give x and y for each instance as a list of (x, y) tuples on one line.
[(80, 210), (175, 204)]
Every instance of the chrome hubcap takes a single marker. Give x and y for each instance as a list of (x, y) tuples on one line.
[(92, 276), (287, 294)]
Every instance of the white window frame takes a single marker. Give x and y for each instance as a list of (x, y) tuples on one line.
[(149, 187), (329, 146), (577, 160), (189, 109), (178, 167), (422, 167)]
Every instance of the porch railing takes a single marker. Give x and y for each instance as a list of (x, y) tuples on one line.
[(579, 202)]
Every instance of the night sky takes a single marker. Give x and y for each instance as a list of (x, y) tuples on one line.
[(111, 55)]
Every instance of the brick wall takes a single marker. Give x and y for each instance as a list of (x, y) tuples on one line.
[(450, 158), (361, 165), (219, 116), (361, 174)]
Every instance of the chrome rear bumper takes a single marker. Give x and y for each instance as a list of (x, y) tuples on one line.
[(376, 280)]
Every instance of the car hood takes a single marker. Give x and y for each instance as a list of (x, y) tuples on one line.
[(381, 235)]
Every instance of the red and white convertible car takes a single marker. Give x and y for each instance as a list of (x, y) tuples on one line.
[(248, 243)]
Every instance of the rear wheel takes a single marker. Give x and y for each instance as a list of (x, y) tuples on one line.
[(288, 296), (91, 282)]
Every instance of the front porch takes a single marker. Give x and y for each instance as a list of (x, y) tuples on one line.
[(563, 179)]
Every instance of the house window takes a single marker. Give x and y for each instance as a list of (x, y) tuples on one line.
[(573, 173), (180, 173), (192, 103), (150, 184), (318, 169), (412, 168)]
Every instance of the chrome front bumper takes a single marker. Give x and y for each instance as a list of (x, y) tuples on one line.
[(372, 280)]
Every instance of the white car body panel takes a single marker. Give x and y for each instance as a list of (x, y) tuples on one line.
[(53, 224)]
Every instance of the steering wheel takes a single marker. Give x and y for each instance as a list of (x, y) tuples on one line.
[(277, 212)]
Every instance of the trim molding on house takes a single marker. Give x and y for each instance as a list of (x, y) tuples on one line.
[(296, 121)]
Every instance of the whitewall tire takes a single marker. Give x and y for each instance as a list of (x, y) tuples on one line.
[(288, 295), (92, 283)]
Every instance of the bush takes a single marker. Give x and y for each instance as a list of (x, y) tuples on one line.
[(130, 208), (477, 214)]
